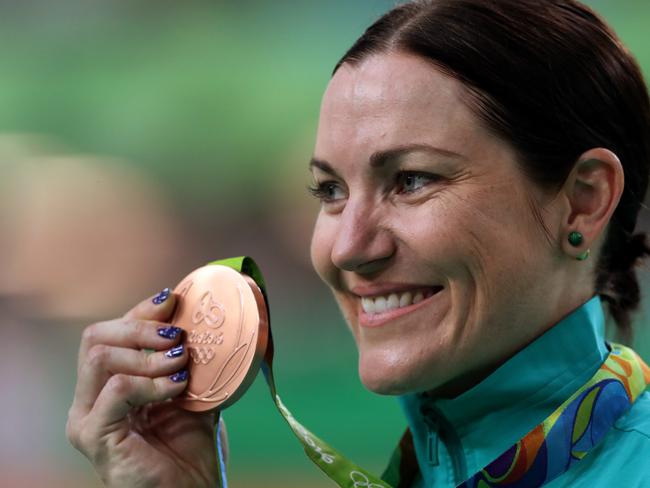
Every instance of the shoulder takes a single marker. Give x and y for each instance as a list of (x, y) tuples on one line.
[(637, 419), (621, 459)]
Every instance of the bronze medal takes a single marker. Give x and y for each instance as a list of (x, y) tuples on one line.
[(225, 319)]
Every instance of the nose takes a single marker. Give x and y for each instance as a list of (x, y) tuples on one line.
[(363, 244)]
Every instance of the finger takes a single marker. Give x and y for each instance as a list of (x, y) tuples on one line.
[(129, 333), (104, 361), (123, 393), (159, 307)]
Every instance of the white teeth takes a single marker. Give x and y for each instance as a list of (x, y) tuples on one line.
[(380, 304), (406, 299), (368, 305), (393, 301)]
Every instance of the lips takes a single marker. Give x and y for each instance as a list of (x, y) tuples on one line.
[(384, 303), (380, 305)]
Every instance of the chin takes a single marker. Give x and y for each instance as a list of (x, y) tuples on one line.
[(386, 379)]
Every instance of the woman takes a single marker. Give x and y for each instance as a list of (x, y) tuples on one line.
[(481, 165)]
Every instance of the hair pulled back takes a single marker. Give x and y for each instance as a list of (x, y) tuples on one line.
[(552, 79)]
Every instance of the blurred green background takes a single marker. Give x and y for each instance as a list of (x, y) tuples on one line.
[(141, 139)]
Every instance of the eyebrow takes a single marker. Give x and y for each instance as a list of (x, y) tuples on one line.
[(380, 159)]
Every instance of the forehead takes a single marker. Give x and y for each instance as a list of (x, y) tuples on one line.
[(393, 99)]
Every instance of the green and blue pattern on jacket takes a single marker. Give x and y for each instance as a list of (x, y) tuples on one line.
[(577, 425)]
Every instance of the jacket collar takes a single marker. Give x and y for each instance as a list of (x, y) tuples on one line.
[(477, 426)]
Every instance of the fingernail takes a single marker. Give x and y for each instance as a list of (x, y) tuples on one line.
[(162, 296), (180, 376), (170, 332), (174, 352)]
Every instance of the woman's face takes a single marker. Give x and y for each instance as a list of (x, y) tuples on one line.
[(425, 234)]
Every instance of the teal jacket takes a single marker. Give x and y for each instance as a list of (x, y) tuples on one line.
[(455, 438)]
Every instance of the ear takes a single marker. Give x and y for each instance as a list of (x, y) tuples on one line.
[(592, 190)]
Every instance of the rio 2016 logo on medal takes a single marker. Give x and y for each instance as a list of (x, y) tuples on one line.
[(225, 319)]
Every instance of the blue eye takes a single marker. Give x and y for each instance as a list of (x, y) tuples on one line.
[(410, 182), (327, 191)]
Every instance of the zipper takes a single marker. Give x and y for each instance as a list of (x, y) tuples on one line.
[(432, 448), (440, 429), (433, 438)]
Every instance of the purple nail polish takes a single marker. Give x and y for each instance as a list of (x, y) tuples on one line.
[(175, 352), (162, 296), (180, 376), (170, 332)]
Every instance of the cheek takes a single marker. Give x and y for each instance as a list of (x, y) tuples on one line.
[(465, 241), (494, 244), (440, 233)]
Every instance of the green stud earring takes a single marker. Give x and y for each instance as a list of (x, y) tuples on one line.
[(575, 238)]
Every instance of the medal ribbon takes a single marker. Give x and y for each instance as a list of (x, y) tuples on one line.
[(342, 471), (545, 453)]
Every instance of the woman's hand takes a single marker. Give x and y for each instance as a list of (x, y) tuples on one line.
[(122, 417)]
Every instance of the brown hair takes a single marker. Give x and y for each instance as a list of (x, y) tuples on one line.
[(552, 79)]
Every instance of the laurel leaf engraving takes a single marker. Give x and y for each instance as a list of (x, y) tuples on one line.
[(237, 357)]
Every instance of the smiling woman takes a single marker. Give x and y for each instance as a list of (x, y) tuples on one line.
[(471, 156), (480, 166), (428, 221)]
